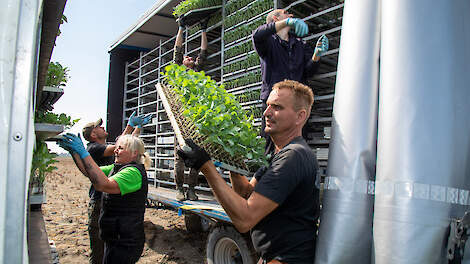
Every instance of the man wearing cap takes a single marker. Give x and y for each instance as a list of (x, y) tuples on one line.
[(103, 155)]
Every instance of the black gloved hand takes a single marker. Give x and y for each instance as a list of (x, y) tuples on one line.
[(181, 22), (203, 24), (194, 158)]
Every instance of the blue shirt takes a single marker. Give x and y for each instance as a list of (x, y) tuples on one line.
[(281, 59)]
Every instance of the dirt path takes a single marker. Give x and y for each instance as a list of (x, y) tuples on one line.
[(65, 214)]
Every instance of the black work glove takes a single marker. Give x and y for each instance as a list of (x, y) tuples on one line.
[(203, 24), (194, 158), (181, 22)]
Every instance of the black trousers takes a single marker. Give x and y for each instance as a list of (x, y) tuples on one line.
[(96, 244), (116, 253), (123, 237)]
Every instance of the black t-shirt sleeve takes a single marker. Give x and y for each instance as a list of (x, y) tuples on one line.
[(281, 178), (96, 151)]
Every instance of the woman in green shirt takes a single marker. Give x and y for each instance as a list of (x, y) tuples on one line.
[(124, 187)]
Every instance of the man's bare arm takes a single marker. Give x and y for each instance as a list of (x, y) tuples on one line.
[(241, 185), (109, 151), (245, 214), (179, 38), (281, 24), (203, 40)]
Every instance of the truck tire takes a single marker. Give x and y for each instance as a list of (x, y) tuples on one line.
[(227, 246), (195, 223)]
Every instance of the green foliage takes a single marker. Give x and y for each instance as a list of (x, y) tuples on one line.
[(62, 21), (188, 5), (215, 18), (236, 13), (235, 5), (42, 158), (52, 118), (239, 49), (246, 79), (250, 61), (57, 75), (248, 96), (243, 31), (42, 162), (256, 112), (216, 113)]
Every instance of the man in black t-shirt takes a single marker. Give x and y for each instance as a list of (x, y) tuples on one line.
[(280, 205), (103, 154)]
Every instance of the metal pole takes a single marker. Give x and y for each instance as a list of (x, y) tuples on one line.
[(18, 57)]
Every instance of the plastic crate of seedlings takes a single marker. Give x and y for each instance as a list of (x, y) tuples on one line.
[(185, 7), (205, 112)]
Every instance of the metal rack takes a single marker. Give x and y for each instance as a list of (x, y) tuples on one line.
[(144, 73)]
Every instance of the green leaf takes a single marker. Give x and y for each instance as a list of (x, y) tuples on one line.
[(216, 113), (52, 118)]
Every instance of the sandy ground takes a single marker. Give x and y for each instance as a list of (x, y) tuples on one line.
[(65, 215)]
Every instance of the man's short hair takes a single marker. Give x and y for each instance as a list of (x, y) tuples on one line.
[(269, 17), (303, 95), (88, 128)]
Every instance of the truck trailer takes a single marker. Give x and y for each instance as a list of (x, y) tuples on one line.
[(138, 58), (393, 148)]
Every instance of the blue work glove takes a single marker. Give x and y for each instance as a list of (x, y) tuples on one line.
[(62, 143), (73, 144), (144, 119), (322, 46), (299, 26), (133, 120), (194, 157), (139, 121)]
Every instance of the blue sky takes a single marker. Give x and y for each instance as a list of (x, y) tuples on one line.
[(83, 47)]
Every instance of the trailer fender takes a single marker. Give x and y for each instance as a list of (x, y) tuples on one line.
[(196, 223)]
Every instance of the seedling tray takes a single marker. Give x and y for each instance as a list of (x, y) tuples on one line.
[(185, 129), (196, 15)]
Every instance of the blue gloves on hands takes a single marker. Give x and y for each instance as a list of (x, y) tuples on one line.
[(145, 120), (322, 46), (299, 26), (73, 144), (139, 121), (132, 120)]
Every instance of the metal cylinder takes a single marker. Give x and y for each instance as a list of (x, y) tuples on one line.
[(345, 234), (423, 155)]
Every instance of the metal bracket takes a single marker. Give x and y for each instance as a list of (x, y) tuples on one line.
[(457, 238)]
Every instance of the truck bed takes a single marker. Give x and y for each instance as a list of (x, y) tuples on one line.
[(206, 205)]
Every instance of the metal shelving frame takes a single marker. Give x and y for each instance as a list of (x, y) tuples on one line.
[(143, 74)]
